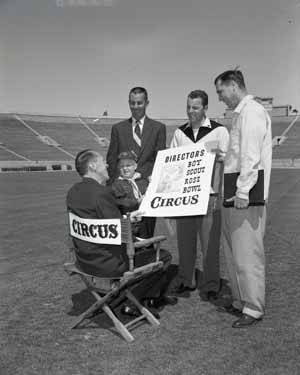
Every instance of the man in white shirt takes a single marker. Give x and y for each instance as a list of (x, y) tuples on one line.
[(250, 150), (200, 128)]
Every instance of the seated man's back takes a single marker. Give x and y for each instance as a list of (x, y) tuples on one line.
[(90, 200)]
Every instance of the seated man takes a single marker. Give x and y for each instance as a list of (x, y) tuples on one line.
[(91, 199), (129, 192)]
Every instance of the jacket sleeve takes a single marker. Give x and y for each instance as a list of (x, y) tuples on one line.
[(252, 132), (112, 153), (125, 200), (107, 206), (146, 169), (161, 139)]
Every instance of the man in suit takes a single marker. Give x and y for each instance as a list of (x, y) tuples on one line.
[(140, 134), (91, 199), (200, 128), (250, 150)]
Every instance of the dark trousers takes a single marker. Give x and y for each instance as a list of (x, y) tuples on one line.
[(145, 228), (155, 284), (209, 229)]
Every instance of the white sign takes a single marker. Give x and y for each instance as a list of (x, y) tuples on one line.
[(180, 182), (102, 231)]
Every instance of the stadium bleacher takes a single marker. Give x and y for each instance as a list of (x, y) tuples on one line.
[(20, 134), (72, 137), (19, 139)]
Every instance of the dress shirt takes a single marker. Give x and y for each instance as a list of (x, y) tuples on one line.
[(215, 138), (141, 125), (250, 147), (206, 123)]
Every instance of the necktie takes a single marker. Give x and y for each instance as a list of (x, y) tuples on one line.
[(136, 190), (137, 133)]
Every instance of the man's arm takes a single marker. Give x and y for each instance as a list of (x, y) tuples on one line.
[(107, 207), (223, 143), (161, 138), (125, 200), (112, 153), (145, 170), (253, 129)]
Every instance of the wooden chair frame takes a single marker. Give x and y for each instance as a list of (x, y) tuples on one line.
[(105, 290)]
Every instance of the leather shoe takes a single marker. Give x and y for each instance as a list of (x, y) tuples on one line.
[(245, 321), (134, 312), (130, 311), (169, 300), (182, 289), (230, 310), (160, 302), (209, 296), (150, 304)]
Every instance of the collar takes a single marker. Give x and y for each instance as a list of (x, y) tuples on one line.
[(125, 179), (206, 124), (91, 179), (142, 120), (242, 103)]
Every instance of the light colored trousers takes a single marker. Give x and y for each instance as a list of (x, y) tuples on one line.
[(209, 229), (243, 233)]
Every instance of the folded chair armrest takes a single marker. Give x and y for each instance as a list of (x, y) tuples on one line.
[(142, 271), (149, 241)]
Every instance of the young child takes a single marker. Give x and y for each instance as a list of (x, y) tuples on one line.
[(129, 192)]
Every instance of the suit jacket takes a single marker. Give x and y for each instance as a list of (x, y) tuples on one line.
[(153, 140), (123, 192), (90, 200)]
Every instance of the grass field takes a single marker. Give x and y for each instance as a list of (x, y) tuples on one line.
[(39, 301)]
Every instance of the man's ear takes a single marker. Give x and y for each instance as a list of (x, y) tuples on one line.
[(234, 86), (92, 166)]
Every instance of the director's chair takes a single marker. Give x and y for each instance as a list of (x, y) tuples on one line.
[(105, 290)]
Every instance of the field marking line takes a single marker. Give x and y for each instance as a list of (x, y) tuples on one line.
[(39, 135), (87, 127), (14, 153), (290, 126)]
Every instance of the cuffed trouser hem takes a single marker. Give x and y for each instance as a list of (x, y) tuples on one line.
[(254, 313), (238, 305)]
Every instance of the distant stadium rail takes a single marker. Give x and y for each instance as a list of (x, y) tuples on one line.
[(36, 166)]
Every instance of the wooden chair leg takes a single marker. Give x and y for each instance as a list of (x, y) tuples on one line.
[(120, 327), (95, 306), (145, 312)]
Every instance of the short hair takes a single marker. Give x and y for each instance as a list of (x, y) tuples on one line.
[(139, 90), (232, 75), (82, 160), (199, 94)]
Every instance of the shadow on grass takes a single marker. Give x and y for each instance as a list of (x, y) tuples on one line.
[(81, 302), (84, 299), (224, 294)]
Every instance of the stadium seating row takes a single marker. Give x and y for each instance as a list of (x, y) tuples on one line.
[(22, 141)]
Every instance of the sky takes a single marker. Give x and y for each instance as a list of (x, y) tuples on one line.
[(81, 57)]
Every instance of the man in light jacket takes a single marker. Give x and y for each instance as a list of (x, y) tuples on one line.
[(250, 150)]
